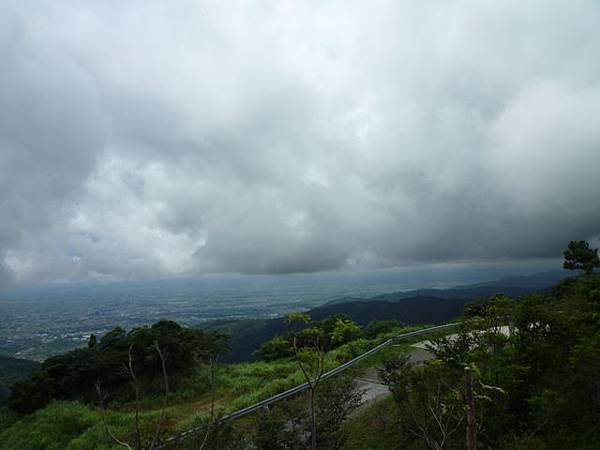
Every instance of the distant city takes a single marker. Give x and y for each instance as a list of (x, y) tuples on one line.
[(39, 322), (43, 324)]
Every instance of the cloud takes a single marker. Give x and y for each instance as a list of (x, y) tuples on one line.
[(179, 138)]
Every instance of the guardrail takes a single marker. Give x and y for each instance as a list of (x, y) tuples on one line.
[(301, 387)]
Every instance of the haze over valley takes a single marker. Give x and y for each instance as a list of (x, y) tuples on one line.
[(45, 320)]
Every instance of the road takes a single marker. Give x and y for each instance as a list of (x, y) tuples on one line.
[(372, 385), (376, 388)]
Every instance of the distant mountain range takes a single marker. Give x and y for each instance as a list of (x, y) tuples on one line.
[(11, 370), (513, 286), (431, 306)]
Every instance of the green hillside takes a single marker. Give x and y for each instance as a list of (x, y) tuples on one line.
[(12, 370), (74, 421), (411, 307), (516, 373)]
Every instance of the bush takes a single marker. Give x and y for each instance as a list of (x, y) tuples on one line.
[(52, 428), (276, 348), (73, 375)]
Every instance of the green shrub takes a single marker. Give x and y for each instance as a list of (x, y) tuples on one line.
[(72, 376), (52, 428)]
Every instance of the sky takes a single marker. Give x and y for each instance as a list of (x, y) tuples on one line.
[(149, 139)]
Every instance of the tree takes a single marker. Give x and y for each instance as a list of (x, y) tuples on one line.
[(139, 442), (92, 341), (72, 375), (345, 330), (311, 360), (335, 402), (223, 436), (429, 399), (279, 427), (377, 327), (470, 410), (218, 345), (579, 256), (276, 348), (282, 426)]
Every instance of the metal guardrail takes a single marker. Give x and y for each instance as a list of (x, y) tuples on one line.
[(301, 387)]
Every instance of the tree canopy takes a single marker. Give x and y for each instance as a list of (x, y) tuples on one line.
[(73, 375), (580, 256)]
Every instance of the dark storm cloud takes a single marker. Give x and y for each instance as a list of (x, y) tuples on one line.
[(141, 140), (51, 132)]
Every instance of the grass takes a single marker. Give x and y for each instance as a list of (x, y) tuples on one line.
[(59, 426), (373, 428), (72, 425)]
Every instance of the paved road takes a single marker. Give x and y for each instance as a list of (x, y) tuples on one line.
[(375, 389), (371, 384), (375, 385)]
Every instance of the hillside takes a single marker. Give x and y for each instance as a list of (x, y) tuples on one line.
[(11, 370), (535, 388), (512, 286), (410, 307), (73, 420)]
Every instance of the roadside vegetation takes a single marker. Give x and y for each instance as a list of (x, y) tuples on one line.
[(516, 374), (61, 400), (519, 374)]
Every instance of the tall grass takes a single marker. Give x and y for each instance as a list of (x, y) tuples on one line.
[(74, 426)]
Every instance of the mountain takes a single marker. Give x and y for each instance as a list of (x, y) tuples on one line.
[(537, 280), (512, 286), (430, 306), (11, 370)]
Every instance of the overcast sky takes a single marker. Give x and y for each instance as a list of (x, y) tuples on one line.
[(163, 139)]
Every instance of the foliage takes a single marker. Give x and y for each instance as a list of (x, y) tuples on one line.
[(377, 327), (285, 427), (310, 346), (221, 436), (337, 399), (345, 330), (296, 317), (579, 256), (311, 362), (374, 429), (432, 306), (280, 427), (536, 386), (74, 375), (331, 333), (276, 348), (429, 400), (237, 386), (11, 371), (54, 428), (7, 418)]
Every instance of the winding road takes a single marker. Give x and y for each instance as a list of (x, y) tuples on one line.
[(372, 385)]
